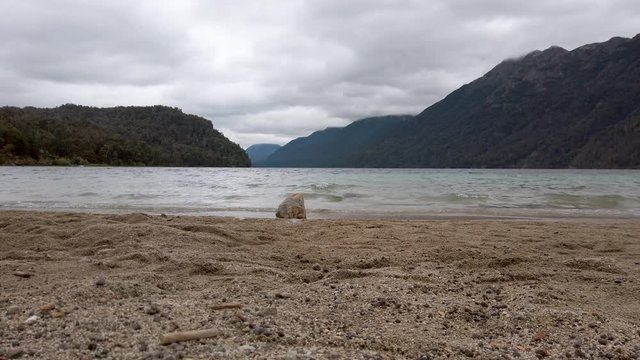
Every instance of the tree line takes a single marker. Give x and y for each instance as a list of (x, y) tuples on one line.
[(119, 136)]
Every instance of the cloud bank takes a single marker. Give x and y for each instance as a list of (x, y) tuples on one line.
[(270, 71)]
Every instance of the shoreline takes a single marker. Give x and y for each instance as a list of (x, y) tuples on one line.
[(355, 216), (110, 285)]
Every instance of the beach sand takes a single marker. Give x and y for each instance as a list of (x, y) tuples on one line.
[(108, 286)]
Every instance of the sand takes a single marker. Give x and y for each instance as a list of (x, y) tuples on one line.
[(109, 286)]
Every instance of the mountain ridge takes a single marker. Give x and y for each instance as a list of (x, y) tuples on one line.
[(260, 152), (547, 109), (334, 147)]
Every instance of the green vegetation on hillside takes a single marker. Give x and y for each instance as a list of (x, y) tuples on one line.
[(336, 147), (119, 136)]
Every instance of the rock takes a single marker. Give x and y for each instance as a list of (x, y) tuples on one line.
[(316, 267), (579, 353), (13, 309), (32, 319), (279, 295), (15, 353), (292, 207), (247, 349), (468, 352), (151, 309), (259, 330), (46, 308), (143, 346), (542, 353), (539, 336), (100, 282), (270, 311)]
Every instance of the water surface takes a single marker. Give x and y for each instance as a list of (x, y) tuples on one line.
[(329, 193)]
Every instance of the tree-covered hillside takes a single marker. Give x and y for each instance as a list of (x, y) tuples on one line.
[(151, 136), (336, 147)]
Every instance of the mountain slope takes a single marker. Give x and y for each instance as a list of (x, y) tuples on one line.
[(154, 135), (550, 109), (336, 147), (260, 152)]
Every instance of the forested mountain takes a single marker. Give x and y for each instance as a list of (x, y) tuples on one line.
[(336, 147), (260, 152), (548, 109), (153, 135)]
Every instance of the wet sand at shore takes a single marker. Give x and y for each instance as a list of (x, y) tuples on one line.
[(109, 286)]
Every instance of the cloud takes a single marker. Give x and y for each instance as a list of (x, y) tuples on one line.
[(273, 71), (87, 43)]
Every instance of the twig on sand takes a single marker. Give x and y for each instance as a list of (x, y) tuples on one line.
[(22, 274), (226, 306), (170, 338)]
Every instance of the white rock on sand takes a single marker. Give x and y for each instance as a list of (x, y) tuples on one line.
[(292, 207)]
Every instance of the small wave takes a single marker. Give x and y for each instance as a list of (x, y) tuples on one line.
[(217, 187), (235, 197), (568, 188), (351, 195), (87, 194), (531, 206), (330, 187), (328, 197), (465, 197), (455, 198), (588, 201), (135, 196)]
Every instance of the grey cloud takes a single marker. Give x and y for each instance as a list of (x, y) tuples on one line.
[(87, 42), (272, 71)]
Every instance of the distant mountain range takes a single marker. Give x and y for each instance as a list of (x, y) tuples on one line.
[(80, 135), (336, 147), (549, 109), (260, 152)]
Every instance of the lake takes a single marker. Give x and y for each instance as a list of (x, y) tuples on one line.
[(329, 193)]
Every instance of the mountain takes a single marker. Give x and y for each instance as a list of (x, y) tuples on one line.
[(153, 135), (549, 109), (260, 152), (336, 147)]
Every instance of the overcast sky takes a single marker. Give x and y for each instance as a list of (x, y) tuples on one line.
[(270, 71)]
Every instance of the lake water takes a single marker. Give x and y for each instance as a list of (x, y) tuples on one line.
[(329, 193)]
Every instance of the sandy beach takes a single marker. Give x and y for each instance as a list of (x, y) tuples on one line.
[(83, 286)]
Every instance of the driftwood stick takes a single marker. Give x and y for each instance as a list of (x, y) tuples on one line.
[(226, 306), (22, 274), (188, 335)]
